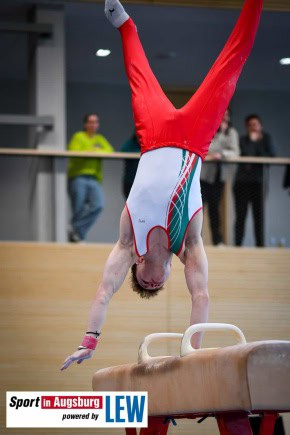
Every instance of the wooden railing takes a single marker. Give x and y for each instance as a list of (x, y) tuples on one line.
[(28, 152), (270, 5)]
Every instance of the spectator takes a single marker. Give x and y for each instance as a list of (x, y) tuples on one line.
[(286, 181), (225, 144), (131, 146), (249, 186), (85, 178)]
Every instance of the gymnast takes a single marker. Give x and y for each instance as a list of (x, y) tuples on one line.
[(163, 213)]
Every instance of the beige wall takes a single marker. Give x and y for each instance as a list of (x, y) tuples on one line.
[(46, 291)]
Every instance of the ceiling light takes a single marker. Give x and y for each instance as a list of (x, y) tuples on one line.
[(103, 52), (285, 61)]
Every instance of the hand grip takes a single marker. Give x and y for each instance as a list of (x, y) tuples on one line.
[(143, 355), (186, 347)]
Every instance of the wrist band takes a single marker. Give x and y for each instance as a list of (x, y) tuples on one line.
[(95, 333), (89, 342)]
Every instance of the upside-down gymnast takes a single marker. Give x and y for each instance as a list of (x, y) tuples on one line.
[(163, 213)]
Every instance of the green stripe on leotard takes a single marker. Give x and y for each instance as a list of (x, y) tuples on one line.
[(180, 213)]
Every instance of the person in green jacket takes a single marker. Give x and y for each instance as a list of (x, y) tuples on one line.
[(85, 178)]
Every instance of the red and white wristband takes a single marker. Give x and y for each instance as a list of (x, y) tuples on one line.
[(89, 342)]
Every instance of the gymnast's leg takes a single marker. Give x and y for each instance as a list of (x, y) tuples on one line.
[(148, 99), (209, 103)]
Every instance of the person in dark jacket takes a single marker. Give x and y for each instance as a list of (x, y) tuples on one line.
[(130, 146), (249, 186)]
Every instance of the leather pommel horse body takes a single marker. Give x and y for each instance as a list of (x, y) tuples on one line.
[(228, 383)]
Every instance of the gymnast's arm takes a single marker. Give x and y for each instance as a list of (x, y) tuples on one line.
[(196, 275), (116, 268)]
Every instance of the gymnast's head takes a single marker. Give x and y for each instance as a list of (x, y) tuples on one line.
[(148, 278)]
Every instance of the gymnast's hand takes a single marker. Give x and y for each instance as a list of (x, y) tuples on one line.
[(79, 356)]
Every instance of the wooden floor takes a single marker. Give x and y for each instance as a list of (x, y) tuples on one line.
[(46, 291)]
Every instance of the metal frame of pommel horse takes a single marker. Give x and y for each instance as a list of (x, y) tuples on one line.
[(232, 396)]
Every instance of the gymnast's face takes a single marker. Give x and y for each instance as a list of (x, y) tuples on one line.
[(150, 275)]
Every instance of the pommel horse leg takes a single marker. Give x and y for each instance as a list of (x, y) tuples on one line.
[(156, 426), (231, 423), (268, 423), (238, 423), (234, 423)]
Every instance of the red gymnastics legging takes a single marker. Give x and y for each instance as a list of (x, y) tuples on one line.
[(158, 123)]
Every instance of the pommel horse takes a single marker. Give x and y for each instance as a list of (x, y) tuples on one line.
[(229, 383)]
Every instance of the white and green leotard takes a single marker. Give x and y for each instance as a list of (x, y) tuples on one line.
[(166, 193)]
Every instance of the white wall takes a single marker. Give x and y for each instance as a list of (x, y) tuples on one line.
[(113, 105)]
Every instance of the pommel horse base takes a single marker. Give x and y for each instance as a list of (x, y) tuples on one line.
[(229, 383)]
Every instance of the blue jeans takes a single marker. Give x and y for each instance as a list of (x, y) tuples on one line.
[(87, 200)]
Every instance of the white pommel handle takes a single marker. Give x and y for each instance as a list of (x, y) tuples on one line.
[(143, 355), (186, 347)]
